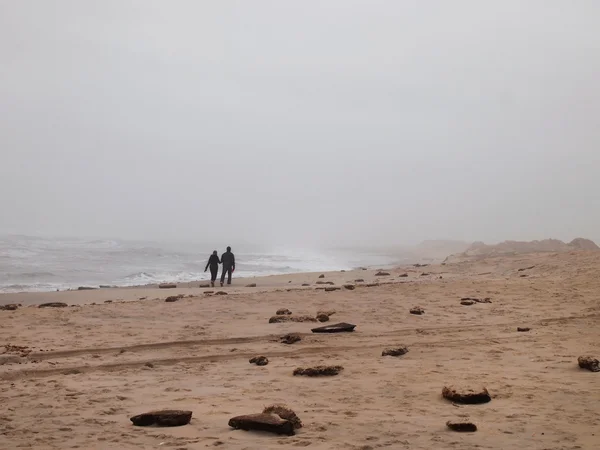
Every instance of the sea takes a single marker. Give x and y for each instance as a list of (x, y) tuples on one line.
[(34, 264)]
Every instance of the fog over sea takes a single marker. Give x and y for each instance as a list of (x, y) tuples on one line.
[(47, 264)]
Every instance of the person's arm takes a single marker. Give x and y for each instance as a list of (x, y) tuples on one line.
[(233, 261), (206, 268), (218, 260)]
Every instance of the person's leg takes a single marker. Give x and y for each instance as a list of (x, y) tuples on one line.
[(213, 275), (229, 275), (223, 271)]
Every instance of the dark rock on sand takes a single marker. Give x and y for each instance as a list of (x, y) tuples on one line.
[(259, 360), (86, 288), (167, 286), (466, 396), (371, 284), (349, 287), (523, 329), (332, 288), (9, 307), (322, 317), (291, 338), (467, 302), (477, 300), (305, 284), (318, 371), (173, 298), (398, 351), (164, 418), (463, 427), (589, 363), (359, 280), (262, 422), (220, 293), (420, 265), (53, 305), (525, 268), (417, 310), (403, 275), (204, 285), (322, 276), (283, 312), (335, 328), (321, 282), (382, 274), (251, 285), (292, 318), (285, 413), (425, 274)]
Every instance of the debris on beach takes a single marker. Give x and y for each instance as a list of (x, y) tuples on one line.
[(204, 285), (9, 307), (322, 317), (322, 276), (305, 284), (164, 418), (53, 305), (477, 300), (398, 351), (417, 310), (332, 288), (420, 265), (359, 280), (335, 328), (262, 422), (209, 292), (318, 371), (371, 284), (425, 274), (260, 360), (321, 282), (285, 413), (173, 298), (466, 396), (291, 338), (590, 363), (167, 286), (525, 268), (329, 312), (86, 288), (349, 287), (467, 302), (220, 293), (251, 285), (461, 426), (283, 312), (382, 274), (291, 318), (403, 275), (523, 329)]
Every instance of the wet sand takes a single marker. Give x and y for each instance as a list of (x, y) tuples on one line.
[(88, 368)]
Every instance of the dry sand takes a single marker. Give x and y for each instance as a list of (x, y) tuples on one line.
[(93, 366)]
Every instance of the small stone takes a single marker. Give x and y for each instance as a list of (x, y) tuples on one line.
[(465, 395), (251, 285), (291, 338), (523, 275), (220, 293), (371, 284), (425, 274), (262, 422), (53, 305), (204, 285), (9, 307), (590, 363), (318, 371), (321, 282), (305, 284), (173, 298), (417, 310), (332, 288), (167, 286), (359, 280), (403, 275), (382, 274), (85, 288), (460, 426), (398, 351), (108, 301), (259, 360), (467, 302), (164, 418), (523, 329), (349, 287), (322, 317), (322, 276), (283, 312), (150, 365)]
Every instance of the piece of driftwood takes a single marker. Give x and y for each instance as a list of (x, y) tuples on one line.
[(53, 305), (164, 418), (262, 422), (167, 286), (285, 413), (291, 318), (335, 328)]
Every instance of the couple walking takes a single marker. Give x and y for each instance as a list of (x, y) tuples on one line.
[(228, 261)]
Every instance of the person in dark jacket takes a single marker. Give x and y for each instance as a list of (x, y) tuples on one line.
[(228, 260), (213, 262)]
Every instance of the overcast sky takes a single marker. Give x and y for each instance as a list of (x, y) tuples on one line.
[(301, 122)]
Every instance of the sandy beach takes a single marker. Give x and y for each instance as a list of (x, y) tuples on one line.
[(84, 370)]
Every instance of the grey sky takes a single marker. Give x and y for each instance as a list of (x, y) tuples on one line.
[(304, 122)]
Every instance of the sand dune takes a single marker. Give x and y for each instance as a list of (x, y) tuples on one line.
[(88, 368)]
